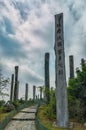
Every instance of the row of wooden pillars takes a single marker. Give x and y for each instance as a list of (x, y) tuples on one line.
[(14, 91)]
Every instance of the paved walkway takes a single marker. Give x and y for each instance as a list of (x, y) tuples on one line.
[(24, 120)]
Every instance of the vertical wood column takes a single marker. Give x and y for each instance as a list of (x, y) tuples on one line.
[(16, 83), (12, 88), (26, 92)]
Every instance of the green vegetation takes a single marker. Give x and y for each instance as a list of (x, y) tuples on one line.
[(50, 110), (3, 85), (48, 123), (7, 108), (6, 117), (76, 103), (3, 114), (77, 95)]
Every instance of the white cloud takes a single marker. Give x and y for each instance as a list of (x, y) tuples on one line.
[(33, 25)]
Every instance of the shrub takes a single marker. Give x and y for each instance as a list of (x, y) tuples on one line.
[(8, 107), (2, 102)]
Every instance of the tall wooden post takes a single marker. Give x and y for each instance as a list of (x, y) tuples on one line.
[(34, 92), (61, 91), (47, 79), (71, 66), (12, 88), (40, 92), (17, 94), (82, 63), (16, 83), (26, 92)]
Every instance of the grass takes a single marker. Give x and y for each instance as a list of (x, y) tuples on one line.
[(2, 114), (49, 123)]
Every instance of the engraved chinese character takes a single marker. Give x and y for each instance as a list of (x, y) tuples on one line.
[(59, 37), (60, 58), (59, 21), (59, 44), (60, 51), (60, 64), (60, 72), (59, 30)]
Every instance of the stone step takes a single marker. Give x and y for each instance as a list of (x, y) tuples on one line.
[(23, 119), (27, 111)]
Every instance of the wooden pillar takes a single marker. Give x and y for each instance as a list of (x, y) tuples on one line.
[(26, 92), (34, 92), (61, 90), (16, 83), (12, 88), (47, 79), (40, 92), (17, 90), (82, 63), (71, 66)]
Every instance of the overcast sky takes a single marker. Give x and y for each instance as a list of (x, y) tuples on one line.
[(27, 32)]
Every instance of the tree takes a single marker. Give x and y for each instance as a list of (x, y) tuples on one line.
[(41, 88), (77, 94), (3, 85), (50, 110)]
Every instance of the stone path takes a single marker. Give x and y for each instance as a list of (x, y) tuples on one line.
[(24, 120)]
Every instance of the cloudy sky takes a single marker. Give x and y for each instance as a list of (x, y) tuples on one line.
[(27, 32)]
